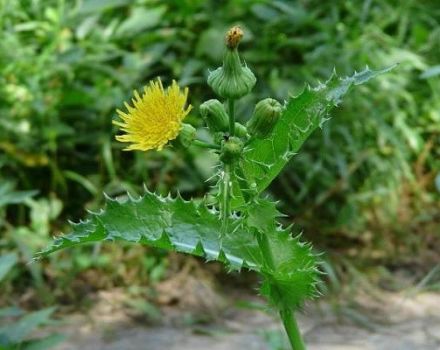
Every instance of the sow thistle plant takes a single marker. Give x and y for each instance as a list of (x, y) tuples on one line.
[(240, 228)]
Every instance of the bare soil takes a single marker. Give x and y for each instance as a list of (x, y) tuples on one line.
[(396, 322)]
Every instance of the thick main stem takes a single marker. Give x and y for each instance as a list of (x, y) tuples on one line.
[(286, 314), (292, 330), (231, 110)]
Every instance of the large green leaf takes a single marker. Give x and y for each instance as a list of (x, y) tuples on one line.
[(183, 226), (167, 223), (303, 114)]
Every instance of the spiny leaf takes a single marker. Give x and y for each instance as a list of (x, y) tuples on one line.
[(179, 225), (303, 114), (294, 274), (167, 223), (290, 271)]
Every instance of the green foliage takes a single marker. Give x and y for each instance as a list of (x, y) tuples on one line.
[(16, 327), (16, 333)]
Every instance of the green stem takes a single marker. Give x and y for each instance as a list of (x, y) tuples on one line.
[(205, 144), (231, 108), (292, 329), (226, 197)]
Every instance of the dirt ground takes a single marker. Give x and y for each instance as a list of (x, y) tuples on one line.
[(396, 322)]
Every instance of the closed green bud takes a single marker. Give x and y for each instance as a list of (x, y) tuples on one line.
[(231, 150), (234, 79), (215, 116), (187, 135), (240, 130), (266, 115)]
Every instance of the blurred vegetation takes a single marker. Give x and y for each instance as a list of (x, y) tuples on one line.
[(366, 189)]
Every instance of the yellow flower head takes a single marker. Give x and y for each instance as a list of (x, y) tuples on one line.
[(155, 118)]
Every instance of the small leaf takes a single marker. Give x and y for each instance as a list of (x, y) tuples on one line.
[(9, 196), (44, 343), (431, 72), (7, 262), (11, 311), (140, 20), (97, 6), (18, 331)]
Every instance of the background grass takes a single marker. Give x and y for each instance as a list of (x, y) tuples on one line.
[(366, 189)]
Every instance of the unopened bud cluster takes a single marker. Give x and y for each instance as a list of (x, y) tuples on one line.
[(231, 81)]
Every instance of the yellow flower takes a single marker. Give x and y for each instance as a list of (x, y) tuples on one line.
[(155, 118)]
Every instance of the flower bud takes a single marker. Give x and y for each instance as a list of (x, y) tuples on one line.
[(187, 135), (215, 116), (240, 130), (234, 79), (266, 115), (231, 150)]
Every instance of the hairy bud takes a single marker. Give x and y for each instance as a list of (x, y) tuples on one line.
[(187, 135), (215, 116), (266, 115), (234, 79), (231, 150), (240, 130)]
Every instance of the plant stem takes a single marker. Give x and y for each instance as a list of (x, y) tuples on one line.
[(205, 144), (292, 330), (226, 197), (231, 108), (228, 171)]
